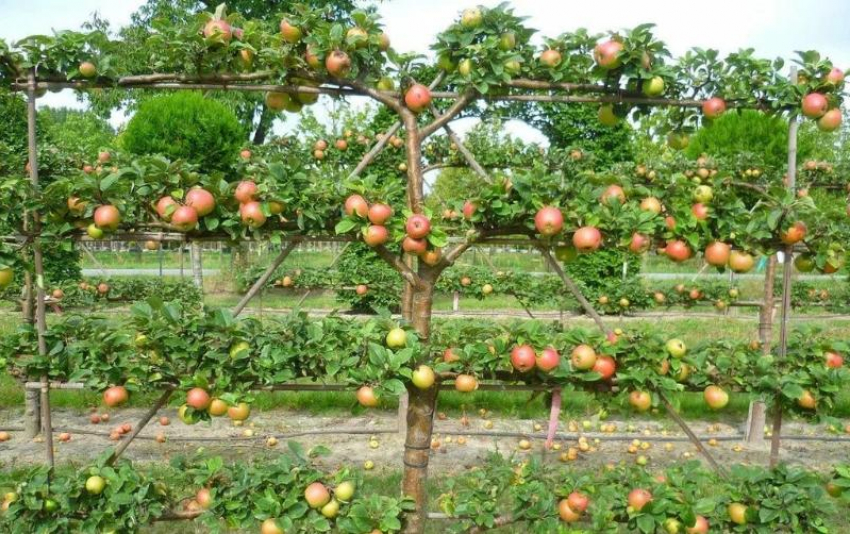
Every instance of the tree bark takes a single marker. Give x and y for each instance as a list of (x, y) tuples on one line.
[(263, 127), (420, 412)]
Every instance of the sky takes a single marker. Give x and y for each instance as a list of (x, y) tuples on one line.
[(774, 28)]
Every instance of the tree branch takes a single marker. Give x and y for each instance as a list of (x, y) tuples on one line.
[(262, 280), (141, 424), (462, 101), (397, 264)]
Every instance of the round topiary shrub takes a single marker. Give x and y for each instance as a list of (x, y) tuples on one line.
[(188, 126)]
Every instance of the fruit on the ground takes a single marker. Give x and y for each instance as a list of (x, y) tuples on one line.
[(566, 512), (677, 250), (471, 18), (289, 32), (741, 262), (815, 105), (366, 397), (578, 501), (379, 213), (737, 513), (417, 98), (246, 191), (607, 116), (700, 526), (676, 348), (830, 121), (396, 338), (466, 383), (717, 254), (317, 495), (219, 30), (550, 58), (549, 221), (794, 233), (338, 64), (640, 400), (357, 205), (201, 200), (184, 218), (548, 359), (583, 357), (523, 358), (418, 226), (587, 239), (376, 235), (269, 526), (115, 396), (605, 365), (607, 54), (252, 214), (653, 86), (807, 401), (198, 398), (423, 377), (638, 498), (239, 412), (716, 397), (833, 359), (107, 217), (344, 491), (95, 485), (713, 107), (651, 204)]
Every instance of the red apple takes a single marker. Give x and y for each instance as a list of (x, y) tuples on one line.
[(115, 396), (469, 209), (449, 355), (184, 218), (466, 383), (651, 204), (830, 121), (833, 359), (587, 239), (417, 97), (550, 58), (418, 226), (639, 243), (414, 246), (716, 397), (523, 358), (317, 495), (549, 221), (607, 54), (379, 213), (578, 501), (613, 192), (198, 398), (741, 262), (700, 211), (606, 366), (202, 200), (717, 254), (218, 29), (835, 76), (376, 235), (356, 205), (361, 289), (338, 64), (678, 251), (583, 357), (794, 234), (252, 214), (713, 107), (700, 526), (366, 397), (246, 191), (638, 498), (566, 513), (548, 359), (815, 105), (107, 217), (640, 400), (165, 207)]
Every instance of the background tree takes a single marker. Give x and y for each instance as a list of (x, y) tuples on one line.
[(80, 135)]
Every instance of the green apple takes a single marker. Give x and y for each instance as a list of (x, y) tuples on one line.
[(239, 348), (331, 509), (703, 194), (471, 18), (672, 526), (465, 67), (396, 338), (141, 340), (94, 232), (653, 86), (344, 491), (423, 377), (507, 41), (676, 348), (95, 485)]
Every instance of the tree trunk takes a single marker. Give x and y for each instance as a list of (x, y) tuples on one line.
[(420, 413), (263, 127)]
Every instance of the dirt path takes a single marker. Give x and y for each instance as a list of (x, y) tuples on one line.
[(665, 442)]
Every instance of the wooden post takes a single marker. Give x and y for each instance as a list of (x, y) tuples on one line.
[(787, 266), (197, 264), (38, 260), (455, 301), (32, 418), (756, 416)]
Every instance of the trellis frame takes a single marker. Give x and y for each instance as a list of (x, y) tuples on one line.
[(418, 299)]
